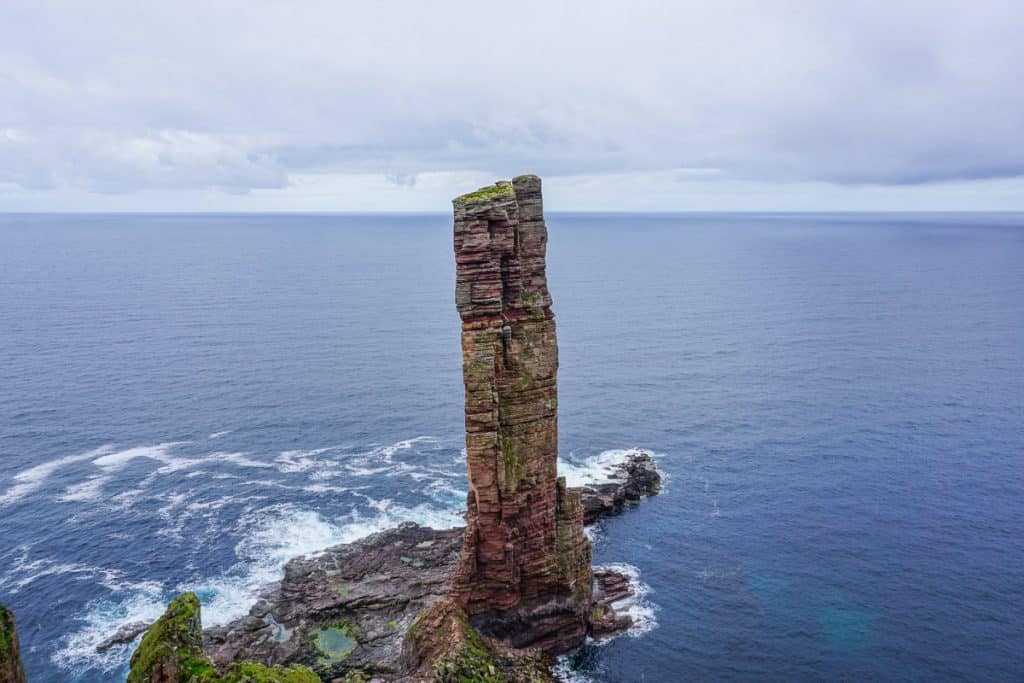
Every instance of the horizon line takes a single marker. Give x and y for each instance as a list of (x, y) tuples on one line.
[(666, 212)]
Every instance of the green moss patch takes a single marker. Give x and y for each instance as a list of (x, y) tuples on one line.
[(496, 191), (176, 639), (6, 633), (176, 636), (257, 673)]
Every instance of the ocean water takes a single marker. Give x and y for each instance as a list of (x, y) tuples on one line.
[(836, 402)]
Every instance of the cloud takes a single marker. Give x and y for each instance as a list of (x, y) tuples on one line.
[(118, 97)]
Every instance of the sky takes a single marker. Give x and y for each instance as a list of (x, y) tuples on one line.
[(345, 105)]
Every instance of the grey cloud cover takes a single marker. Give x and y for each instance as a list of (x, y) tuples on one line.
[(120, 97)]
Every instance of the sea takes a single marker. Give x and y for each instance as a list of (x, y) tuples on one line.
[(836, 402)]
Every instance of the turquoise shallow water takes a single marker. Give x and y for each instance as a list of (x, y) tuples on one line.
[(836, 402)]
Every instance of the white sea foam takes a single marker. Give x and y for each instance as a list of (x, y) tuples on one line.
[(275, 535), (32, 479), (115, 461), (564, 672), (300, 461), (22, 571), (596, 469), (217, 435), (135, 602), (637, 605), (387, 452), (271, 537), (111, 462), (238, 459)]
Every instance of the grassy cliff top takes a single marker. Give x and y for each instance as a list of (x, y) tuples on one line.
[(500, 190)]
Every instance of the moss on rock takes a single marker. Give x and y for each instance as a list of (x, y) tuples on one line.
[(171, 645), (11, 670), (250, 672), (498, 190), (172, 652), (6, 632)]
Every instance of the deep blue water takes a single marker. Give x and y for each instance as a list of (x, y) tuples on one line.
[(837, 402)]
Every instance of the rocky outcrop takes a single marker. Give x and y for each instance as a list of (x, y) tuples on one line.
[(347, 609), (442, 647), (123, 635), (611, 589), (171, 652), (375, 591), (11, 669), (629, 481), (524, 572)]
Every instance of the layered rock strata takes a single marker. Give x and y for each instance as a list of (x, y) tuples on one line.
[(11, 670), (524, 573)]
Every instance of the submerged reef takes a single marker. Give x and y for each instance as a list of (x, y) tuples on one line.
[(492, 602)]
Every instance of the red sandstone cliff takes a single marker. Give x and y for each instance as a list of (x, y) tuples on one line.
[(524, 574)]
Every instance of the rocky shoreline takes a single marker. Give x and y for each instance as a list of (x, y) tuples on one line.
[(348, 613), (351, 606)]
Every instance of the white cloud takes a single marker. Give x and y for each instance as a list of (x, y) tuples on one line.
[(204, 101)]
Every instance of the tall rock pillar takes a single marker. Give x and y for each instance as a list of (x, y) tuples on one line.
[(524, 575)]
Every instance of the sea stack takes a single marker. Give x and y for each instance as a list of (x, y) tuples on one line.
[(524, 574), (11, 670)]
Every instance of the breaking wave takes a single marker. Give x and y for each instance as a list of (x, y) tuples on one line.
[(271, 537), (596, 469), (637, 606), (188, 500)]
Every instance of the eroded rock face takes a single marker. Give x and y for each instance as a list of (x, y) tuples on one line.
[(347, 609), (442, 647), (11, 670), (524, 573)]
